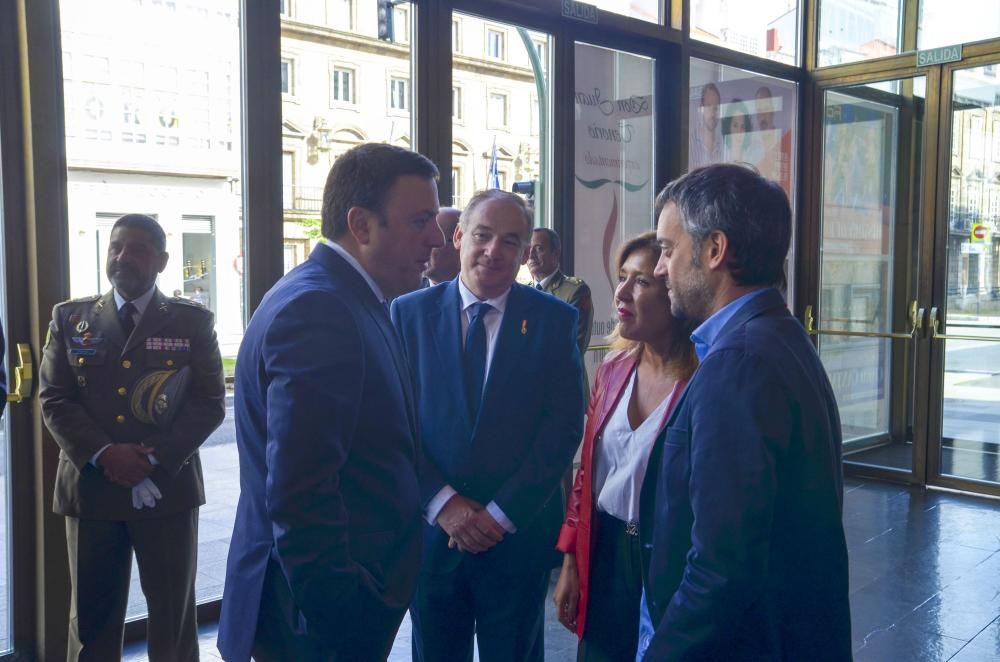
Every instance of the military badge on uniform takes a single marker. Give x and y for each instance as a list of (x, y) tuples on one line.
[(82, 326), (169, 344), (88, 338)]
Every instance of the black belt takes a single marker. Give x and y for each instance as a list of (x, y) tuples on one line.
[(631, 527)]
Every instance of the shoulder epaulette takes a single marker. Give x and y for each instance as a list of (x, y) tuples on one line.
[(92, 297), (188, 302)]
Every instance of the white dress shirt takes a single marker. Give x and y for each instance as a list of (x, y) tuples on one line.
[(342, 252), (491, 322), (621, 457)]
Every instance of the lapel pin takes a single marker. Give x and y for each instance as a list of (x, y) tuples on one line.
[(524, 327), (82, 326)]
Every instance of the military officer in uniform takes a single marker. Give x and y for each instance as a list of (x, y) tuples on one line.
[(544, 254), (131, 385)]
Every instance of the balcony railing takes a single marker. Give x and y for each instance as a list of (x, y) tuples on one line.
[(303, 198)]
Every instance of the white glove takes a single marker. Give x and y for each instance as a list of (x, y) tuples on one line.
[(145, 494)]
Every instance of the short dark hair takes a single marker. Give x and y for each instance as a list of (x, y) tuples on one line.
[(752, 211), (362, 177), (148, 225), (709, 87), (552, 237), (485, 196)]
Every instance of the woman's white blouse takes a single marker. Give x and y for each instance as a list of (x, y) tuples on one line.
[(621, 455)]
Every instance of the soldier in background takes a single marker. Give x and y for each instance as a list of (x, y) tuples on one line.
[(544, 255), (443, 265), (131, 385)]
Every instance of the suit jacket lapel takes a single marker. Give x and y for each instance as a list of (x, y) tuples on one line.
[(152, 320)]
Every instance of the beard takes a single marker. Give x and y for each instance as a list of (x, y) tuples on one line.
[(691, 301)]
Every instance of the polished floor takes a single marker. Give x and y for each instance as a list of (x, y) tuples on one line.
[(925, 580)]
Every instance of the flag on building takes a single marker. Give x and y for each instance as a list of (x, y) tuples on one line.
[(493, 180)]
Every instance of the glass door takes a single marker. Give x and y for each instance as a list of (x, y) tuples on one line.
[(867, 317), (965, 316)]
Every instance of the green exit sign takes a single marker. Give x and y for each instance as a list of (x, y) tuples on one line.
[(940, 55)]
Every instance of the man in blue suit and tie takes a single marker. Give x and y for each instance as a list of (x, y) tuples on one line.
[(501, 414), (741, 505), (326, 545)]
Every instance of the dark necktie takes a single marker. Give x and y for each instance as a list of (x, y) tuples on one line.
[(474, 358), (125, 317)]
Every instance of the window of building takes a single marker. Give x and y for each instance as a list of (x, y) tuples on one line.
[(456, 36), (341, 86), (132, 99), (401, 24), (456, 188), (399, 93), (542, 52), (456, 103), (288, 179), (287, 73), (496, 46), (284, 7), (340, 14), (496, 110)]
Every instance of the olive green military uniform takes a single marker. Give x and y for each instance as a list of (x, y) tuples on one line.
[(99, 387), (576, 293)]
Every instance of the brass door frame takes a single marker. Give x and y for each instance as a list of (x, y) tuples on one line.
[(980, 54), (909, 194), (930, 282)]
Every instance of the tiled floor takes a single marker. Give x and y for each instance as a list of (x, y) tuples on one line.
[(925, 580)]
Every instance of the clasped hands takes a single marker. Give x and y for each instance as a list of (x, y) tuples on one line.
[(129, 465), (469, 525)]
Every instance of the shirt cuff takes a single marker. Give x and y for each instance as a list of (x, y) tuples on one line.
[(438, 502), (493, 509), (93, 460)]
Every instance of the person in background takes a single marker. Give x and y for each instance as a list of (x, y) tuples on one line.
[(131, 386), (705, 143), (544, 257), (635, 391), (740, 517), (444, 263), (736, 136)]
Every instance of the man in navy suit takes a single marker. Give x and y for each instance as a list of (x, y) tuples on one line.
[(326, 545), (501, 414), (741, 505)]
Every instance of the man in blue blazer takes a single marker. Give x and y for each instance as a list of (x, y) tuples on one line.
[(325, 549), (501, 414), (741, 505)]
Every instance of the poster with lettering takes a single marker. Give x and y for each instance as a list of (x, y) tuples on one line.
[(613, 171)]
